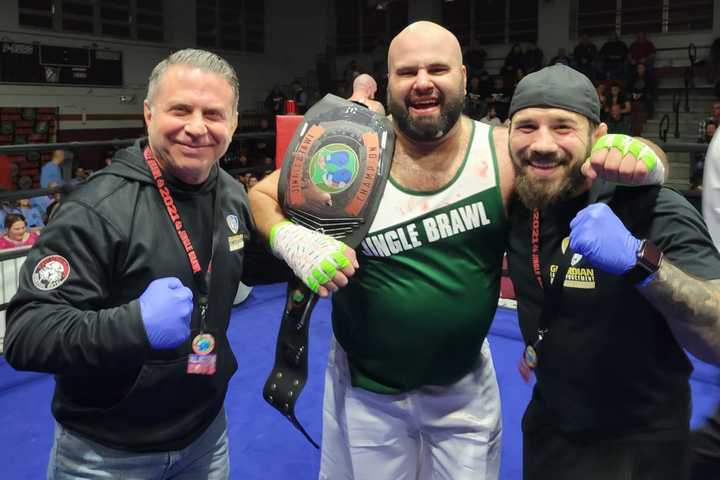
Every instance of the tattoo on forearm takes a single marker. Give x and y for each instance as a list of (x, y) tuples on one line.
[(691, 307)]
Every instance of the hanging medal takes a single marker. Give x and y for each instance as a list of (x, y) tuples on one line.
[(203, 360), (531, 351)]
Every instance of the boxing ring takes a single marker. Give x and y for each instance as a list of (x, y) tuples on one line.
[(263, 445)]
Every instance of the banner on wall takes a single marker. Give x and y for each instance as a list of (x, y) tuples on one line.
[(22, 125)]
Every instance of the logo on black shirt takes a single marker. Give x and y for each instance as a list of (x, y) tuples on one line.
[(51, 272)]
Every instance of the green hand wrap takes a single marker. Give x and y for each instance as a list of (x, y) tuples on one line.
[(312, 284), (627, 144), (341, 260), (274, 231), (313, 257)]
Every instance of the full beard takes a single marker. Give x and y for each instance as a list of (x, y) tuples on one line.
[(539, 192), (427, 131)]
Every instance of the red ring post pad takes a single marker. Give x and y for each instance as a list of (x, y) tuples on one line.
[(332, 179)]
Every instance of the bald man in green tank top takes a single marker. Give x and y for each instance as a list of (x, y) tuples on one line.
[(410, 390)]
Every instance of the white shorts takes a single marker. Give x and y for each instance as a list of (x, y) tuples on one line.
[(435, 432)]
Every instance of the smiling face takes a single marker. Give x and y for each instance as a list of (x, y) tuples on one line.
[(548, 147), (426, 81), (16, 231), (190, 122)]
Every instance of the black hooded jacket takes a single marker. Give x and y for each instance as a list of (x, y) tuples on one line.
[(76, 312)]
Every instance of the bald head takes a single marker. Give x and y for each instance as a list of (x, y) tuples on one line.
[(366, 84), (421, 36), (426, 82)]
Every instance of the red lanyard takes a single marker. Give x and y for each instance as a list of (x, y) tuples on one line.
[(535, 245), (552, 293), (172, 211), (201, 280)]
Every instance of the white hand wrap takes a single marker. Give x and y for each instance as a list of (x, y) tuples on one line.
[(312, 256), (641, 151)]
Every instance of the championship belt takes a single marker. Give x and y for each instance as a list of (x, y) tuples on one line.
[(332, 179)]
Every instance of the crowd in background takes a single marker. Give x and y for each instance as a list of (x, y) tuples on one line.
[(21, 220), (623, 74)]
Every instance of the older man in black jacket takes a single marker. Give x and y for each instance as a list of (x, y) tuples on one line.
[(126, 297)]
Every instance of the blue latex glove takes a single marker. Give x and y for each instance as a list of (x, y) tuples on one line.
[(166, 307), (597, 234)]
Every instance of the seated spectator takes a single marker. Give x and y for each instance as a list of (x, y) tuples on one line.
[(482, 88), (714, 117), (33, 216), (474, 58), (491, 117), (262, 147), (617, 96), (508, 75), (240, 177), (613, 55), (7, 208), (275, 101), (108, 157), (267, 166), (300, 96), (42, 202), (585, 55), (81, 174), (475, 102), (642, 98), (499, 98), (242, 158), (642, 50), (51, 209), (534, 58), (16, 233), (617, 122), (697, 165), (714, 64), (515, 57), (601, 89), (561, 57), (252, 180), (485, 85), (47, 203)]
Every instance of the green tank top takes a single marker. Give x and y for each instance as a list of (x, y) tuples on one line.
[(418, 309)]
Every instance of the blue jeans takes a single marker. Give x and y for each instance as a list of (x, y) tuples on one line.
[(74, 456)]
